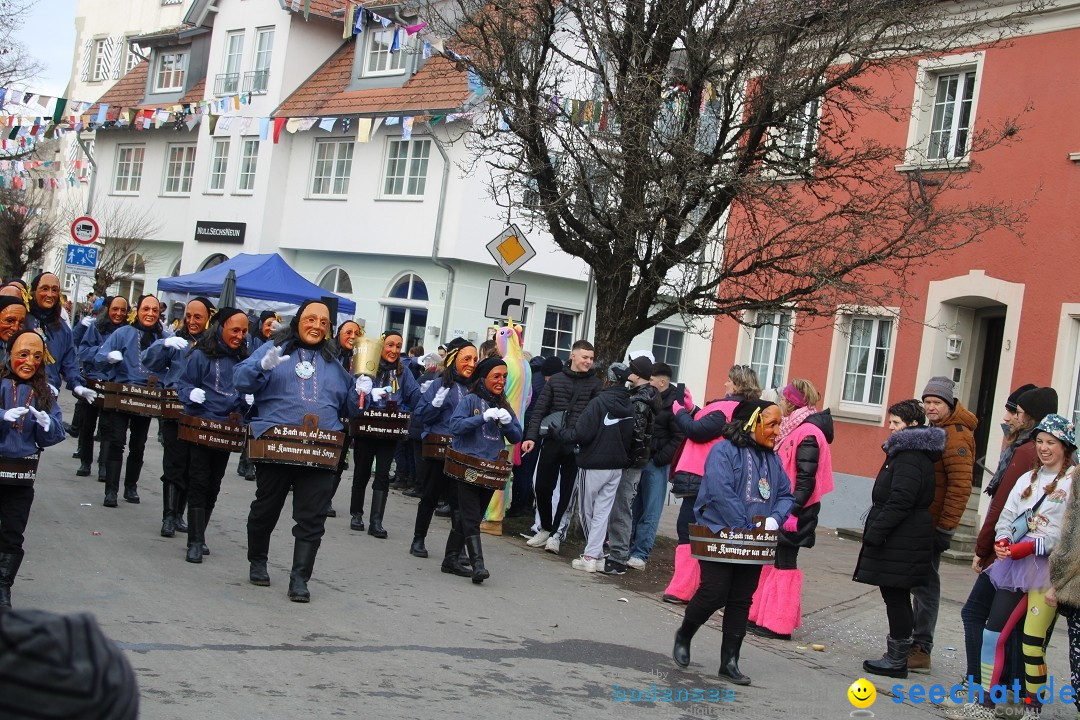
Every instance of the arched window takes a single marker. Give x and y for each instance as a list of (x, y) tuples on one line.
[(213, 260), (133, 277), (406, 309), (336, 280), (175, 270)]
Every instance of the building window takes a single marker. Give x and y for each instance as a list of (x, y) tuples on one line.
[(770, 346), (406, 168), (228, 81), (667, 345), (132, 58), (249, 160), (129, 166), (406, 309), (336, 280), (558, 334), (944, 110), (333, 165), (796, 141), (219, 164), (256, 80), (380, 61), (179, 169), (866, 366), (171, 68), (951, 121), (101, 59), (213, 261), (133, 278)]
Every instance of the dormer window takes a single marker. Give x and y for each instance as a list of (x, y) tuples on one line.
[(170, 71), (379, 60)]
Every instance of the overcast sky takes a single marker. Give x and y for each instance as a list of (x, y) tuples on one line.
[(48, 33)]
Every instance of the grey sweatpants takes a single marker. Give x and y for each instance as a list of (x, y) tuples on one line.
[(597, 496), (621, 522)]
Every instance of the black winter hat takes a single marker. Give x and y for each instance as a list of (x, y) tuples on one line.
[(642, 367), (1010, 404), (1038, 403), (552, 366)]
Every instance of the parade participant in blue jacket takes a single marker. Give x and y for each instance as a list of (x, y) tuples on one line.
[(120, 360), (45, 314), (347, 333), (206, 389), (268, 319), (294, 375), (744, 479), (111, 317), (167, 358), (29, 420), (433, 412), (394, 387), (12, 320), (482, 423)]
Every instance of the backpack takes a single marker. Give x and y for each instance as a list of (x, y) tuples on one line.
[(641, 440)]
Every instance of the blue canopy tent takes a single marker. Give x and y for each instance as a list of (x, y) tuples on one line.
[(263, 282)]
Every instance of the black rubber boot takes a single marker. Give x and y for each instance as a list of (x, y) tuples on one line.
[(730, 645), (181, 510), (168, 510), (258, 551), (476, 555), (894, 662), (417, 549), (303, 563), (451, 563), (103, 473), (9, 568), (258, 575), (131, 482), (356, 522), (112, 482), (84, 469), (681, 652), (196, 523), (378, 506)]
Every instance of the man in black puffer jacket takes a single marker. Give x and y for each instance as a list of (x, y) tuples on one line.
[(569, 391)]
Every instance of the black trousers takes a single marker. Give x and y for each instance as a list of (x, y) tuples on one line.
[(436, 484), (116, 427), (86, 432), (557, 465), (724, 585), (521, 494), (207, 468), (176, 457), (787, 558), (898, 608), (15, 502), (685, 519), (473, 501), (369, 450), (311, 489)]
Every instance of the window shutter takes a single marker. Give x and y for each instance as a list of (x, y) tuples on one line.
[(87, 59), (113, 56)]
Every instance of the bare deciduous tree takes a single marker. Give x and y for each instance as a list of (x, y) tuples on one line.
[(123, 232), (16, 64), (705, 158), (28, 230)]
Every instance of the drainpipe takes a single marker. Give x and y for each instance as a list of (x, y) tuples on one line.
[(445, 327)]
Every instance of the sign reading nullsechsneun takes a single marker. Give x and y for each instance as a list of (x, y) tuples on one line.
[(222, 232)]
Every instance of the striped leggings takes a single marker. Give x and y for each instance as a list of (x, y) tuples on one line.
[(1010, 607)]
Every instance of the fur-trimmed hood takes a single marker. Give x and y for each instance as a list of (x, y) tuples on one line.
[(930, 440)]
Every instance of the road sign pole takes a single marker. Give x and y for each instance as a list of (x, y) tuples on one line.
[(75, 300)]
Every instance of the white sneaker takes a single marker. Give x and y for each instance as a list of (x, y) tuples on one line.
[(538, 539), (584, 563), (552, 545), (970, 711), (636, 563)]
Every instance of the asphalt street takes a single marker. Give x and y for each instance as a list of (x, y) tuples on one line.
[(388, 635)]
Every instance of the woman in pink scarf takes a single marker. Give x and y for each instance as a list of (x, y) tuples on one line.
[(803, 447)]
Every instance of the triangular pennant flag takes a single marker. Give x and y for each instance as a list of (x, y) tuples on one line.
[(245, 125), (363, 130), (264, 128), (213, 123), (278, 124), (395, 44), (327, 124), (413, 29), (406, 128), (225, 123), (58, 113), (307, 123), (292, 125), (376, 125)]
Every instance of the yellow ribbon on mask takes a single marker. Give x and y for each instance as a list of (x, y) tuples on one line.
[(47, 357), (131, 315), (755, 417)]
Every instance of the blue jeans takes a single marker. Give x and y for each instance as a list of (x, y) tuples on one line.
[(648, 505)]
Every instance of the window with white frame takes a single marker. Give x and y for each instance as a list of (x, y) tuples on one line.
[(406, 309), (558, 333), (179, 169), (229, 79), (770, 348), (380, 60), (796, 142), (332, 168), (866, 364), (667, 347), (133, 57), (101, 59), (256, 81), (406, 168), (950, 123), (943, 114), (249, 160), (336, 280), (129, 167), (219, 165), (170, 71)]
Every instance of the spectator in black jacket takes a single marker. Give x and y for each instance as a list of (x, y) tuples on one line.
[(569, 391), (653, 488)]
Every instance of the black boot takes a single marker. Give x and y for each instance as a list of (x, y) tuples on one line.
[(451, 563), (258, 575), (357, 522), (9, 567), (84, 469), (894, 662), (258, 550), (681, 652), (378, 506), (196, 523), (303, 563), (730, 645), (103, 473), (418, 548), (131, 481), (181, 509), (112, 481), (476, 555), (443, 510), (168, 510)]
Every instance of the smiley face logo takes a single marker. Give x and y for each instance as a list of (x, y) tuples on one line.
[(862, 693)]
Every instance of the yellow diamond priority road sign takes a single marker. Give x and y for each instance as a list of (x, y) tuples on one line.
[(511, 250)]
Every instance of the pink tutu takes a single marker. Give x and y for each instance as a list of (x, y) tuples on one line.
[(1028, 573)]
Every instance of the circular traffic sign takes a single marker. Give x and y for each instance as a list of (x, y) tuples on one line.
[(85, 230)]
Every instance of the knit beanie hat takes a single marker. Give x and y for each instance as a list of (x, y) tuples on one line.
[(941, 387), (552, 366), (1038, 403), (618, 373), (1059, 427), (642, 367), (1010, 404)]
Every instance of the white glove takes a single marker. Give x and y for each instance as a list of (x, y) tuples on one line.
[(249, 399), (87, 321), (115, 356), (197, 396), (425, 385), (272, 358), (504, 416), (440, 397), (491, 414), (85, 393), (378, 394), (177, 343), (15, 413), (42, 418), (363, 385), (771, 524), (54, 391)]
